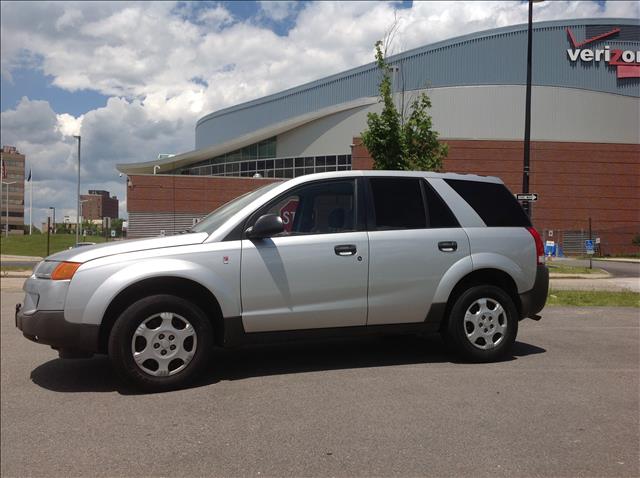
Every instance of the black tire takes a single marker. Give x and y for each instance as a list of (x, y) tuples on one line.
[(460, 334), (121, 348)]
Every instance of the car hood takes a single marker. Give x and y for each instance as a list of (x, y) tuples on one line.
[(88, 253)]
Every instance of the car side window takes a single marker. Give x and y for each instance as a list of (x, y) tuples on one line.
[(397, 203), (440, 216), (318, 208)]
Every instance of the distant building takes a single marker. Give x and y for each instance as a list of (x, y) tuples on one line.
[(585, 140), (98, 204), (12, 173)]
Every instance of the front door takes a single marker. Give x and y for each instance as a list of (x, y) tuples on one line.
[(315, 274)]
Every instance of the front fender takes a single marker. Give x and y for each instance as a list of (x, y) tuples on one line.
[(92, 290)]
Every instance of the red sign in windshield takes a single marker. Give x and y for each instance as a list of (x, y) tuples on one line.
[(288, 214)]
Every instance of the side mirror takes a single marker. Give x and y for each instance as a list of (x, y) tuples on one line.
[(266, 226)]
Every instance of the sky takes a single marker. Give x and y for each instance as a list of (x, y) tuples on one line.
[(132, 78)]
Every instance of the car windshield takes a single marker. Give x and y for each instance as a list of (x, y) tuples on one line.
[(215, 219)]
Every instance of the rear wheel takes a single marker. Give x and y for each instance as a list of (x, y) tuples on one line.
[(160, 342), (483, 324)]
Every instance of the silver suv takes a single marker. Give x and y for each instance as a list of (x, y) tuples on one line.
[(324, 254)]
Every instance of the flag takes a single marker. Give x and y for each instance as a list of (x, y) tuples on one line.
[(3, 166), (29, 178)]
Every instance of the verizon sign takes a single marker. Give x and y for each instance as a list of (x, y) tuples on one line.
[(626, 62)]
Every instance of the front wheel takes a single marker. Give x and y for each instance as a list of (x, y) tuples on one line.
[(160, 342), (483, 324)]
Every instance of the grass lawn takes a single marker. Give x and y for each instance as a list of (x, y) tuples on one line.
[(36, 244), (584, 298), (562, 269)]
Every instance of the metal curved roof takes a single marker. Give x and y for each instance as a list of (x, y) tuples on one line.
[(492, 57)]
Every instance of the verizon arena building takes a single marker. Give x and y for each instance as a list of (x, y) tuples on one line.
[(585, 151)]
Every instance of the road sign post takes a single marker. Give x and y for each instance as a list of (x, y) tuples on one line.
[(588, 245), (592, 248)]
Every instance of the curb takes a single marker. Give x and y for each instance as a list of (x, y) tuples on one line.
[(579, 276), (621, 259), (15, 276)]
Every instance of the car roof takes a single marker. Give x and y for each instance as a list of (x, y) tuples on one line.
[(400, 174)]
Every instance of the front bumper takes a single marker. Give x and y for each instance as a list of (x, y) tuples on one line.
[(50, 327), (533, 301)]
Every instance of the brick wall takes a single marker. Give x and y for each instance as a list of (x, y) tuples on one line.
[(184, 196), (574, 181), (91, 206)]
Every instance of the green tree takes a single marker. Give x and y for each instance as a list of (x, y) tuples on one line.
[(116, 224), (397, 144)]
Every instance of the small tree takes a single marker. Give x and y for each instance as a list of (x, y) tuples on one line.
[(397, 144)]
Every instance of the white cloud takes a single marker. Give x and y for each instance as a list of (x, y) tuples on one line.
[(165, 64), (278, 10), (69, 125), (216, 17)]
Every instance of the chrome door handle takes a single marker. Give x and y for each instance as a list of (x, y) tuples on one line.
[(448, 246), (345, 250)]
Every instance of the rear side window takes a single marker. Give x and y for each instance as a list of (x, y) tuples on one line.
[(493, 202), (439, 213), (397, 203)]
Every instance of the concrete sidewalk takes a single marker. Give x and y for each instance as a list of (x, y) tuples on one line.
[(14, 258), (614, 284)]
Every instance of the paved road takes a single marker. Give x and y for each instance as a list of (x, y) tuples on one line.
[(566, 404), (616, 269)]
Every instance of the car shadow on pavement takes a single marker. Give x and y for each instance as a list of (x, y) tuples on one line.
[(96, 375)]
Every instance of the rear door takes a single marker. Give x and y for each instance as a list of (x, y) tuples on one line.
[(315, 274), (413, 240)]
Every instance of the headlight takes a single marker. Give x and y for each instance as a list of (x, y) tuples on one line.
[(56, 270)]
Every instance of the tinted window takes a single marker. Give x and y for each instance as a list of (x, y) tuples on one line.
[(397, 203), (218, 217), (439, 213), (493, 202), (320, 208)]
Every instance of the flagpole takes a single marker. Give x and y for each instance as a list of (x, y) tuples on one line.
[(30, 200)]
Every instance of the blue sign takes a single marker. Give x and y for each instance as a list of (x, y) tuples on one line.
[(588, 245)]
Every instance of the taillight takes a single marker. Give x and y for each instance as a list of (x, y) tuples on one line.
[(539, 246)]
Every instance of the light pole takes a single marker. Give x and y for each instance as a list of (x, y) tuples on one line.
[(54, 218), (527, 113), (80, 203), (7, 224), (78, 198)]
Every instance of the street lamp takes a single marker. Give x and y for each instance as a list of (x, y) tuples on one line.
[(527, 113), (78, 198), (155, 168), (54, 218), (7, 224), (80, 203)]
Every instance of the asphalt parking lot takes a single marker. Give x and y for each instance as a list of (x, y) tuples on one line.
[(566, 404)]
